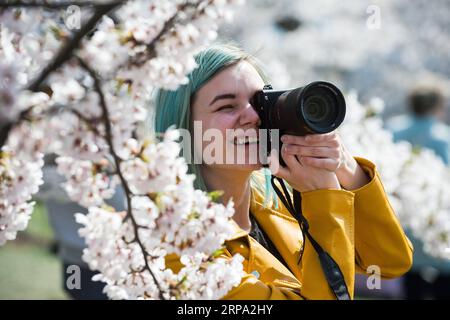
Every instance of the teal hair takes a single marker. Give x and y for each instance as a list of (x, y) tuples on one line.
[(173, 107)]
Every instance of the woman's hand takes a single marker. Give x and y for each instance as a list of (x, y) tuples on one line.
[(324, 152), (301, 176)]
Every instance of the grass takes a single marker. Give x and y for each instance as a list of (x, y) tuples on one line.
[(28, 268)]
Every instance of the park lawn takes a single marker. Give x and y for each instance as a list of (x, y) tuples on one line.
[(28, 268)]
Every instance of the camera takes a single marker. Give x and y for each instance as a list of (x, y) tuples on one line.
[(318, 107)]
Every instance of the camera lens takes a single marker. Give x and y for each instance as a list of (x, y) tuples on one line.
[(317, 109), (321, 106)]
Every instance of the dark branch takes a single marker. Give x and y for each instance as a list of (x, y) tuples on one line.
[(53, 5), (62, 56), (150, 51), (66, 52), (90, 122), (117, 163)]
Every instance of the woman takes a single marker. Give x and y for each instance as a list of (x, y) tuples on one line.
[(342, 197)]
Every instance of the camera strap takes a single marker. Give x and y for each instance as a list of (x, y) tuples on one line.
[(333, 273)]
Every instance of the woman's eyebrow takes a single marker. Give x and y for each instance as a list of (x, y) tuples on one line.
[(223, 96)]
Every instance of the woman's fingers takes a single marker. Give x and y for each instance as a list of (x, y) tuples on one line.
[(318, 157), (321, 163), (274, 165), (330, 139), (322, 151), (292, 162), (317, 138), (308, 151), (305, 173)]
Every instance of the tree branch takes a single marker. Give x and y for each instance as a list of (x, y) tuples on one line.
[(62, 56), (150, 51), (90, 122), (66, 52), (117, 163), (53, 5)]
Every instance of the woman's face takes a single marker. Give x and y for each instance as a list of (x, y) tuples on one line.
[(222, 108)]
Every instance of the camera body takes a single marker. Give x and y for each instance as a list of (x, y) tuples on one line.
[(318, 107)]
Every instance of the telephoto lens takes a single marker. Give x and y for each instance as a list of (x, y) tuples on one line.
[(318, 107)]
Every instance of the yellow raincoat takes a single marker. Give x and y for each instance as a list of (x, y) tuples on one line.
[(357, 228)]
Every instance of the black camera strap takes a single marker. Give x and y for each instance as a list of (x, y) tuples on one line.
[(333, 273)]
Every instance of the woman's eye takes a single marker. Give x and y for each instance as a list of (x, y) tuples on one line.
[(227, 107)]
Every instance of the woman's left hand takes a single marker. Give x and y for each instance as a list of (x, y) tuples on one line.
[(326, 151)]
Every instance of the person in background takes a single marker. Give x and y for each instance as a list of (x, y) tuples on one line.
[(429, 277), (424, 127)]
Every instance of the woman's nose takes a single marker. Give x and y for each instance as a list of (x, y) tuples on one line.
[(249, 116)]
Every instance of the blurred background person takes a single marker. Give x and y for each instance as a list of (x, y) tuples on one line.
[(429, 278), (424, 127)]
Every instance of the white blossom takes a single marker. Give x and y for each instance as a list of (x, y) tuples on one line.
[(165, 214), (19, 179), (88, 183)]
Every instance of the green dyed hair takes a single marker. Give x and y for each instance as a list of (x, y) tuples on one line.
[(173, 107)]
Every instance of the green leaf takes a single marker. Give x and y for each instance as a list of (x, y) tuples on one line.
[(215, 195), (218, 252)]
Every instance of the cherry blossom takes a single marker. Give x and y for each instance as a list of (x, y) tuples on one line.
[(85, 102)]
